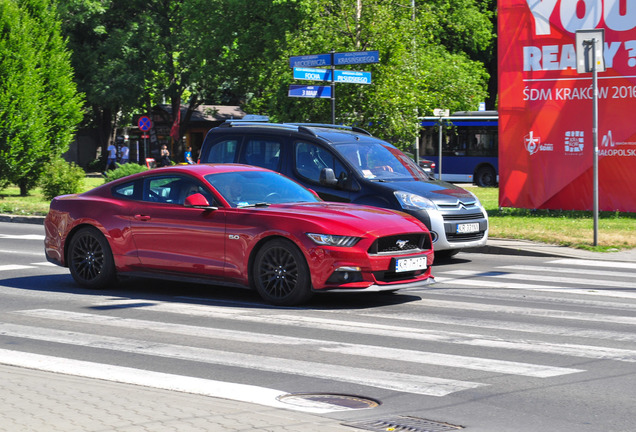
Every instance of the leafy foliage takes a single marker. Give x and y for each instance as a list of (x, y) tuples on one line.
[(39, 104), (131, 54), (124, 170), (60, 178)]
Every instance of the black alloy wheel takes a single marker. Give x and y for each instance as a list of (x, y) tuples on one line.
[(90, 259), (281, 275)]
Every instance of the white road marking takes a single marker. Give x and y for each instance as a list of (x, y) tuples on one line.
[(591, 263), (417, 384), (567, 270), (600, 284), (8, 267), (23, 237), (585, 351), (519, 310), (498, 284), (473, 363), (505, 325), (206, 387)]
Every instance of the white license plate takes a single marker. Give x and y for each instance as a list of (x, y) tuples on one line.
[(467, 228), (410, 264)]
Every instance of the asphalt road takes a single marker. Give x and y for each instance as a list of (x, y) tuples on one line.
[(499, 343)]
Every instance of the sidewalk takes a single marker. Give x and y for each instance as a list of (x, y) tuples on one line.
[(33, 400), (528, 248)]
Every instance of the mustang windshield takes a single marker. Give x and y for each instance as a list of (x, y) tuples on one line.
[(375, 161), (258, 188)]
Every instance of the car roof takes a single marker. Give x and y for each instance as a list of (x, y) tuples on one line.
[(330, 133)]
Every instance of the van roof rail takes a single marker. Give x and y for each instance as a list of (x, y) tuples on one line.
[(332, 126)]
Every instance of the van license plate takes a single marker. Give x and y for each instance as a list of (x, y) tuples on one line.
[(410, 264), (467, 228)]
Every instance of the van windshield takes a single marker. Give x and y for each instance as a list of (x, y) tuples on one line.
[(375, 161)]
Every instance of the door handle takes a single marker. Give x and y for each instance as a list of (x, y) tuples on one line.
[(142, 217)]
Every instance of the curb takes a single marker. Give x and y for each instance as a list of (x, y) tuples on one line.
[(37, 220)]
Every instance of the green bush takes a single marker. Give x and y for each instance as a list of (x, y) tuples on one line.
[(123, 170), (96, 165), (61, 178)]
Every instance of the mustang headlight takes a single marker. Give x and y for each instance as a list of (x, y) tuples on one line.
[(333, 240), (410, 201)]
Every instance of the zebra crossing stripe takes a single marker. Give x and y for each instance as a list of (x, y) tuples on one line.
[(591, 264), (8, 267), (417, 384), (499, 284), (420, 357), (542, 278), (205, 387), (566, 270), (585, 351)]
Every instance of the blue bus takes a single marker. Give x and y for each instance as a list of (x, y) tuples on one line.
[(469, 145)]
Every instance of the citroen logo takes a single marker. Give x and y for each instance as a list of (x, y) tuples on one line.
[(401, 243)]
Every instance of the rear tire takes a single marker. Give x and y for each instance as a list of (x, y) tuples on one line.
[(486, 177), (90, 259), (281, 275)]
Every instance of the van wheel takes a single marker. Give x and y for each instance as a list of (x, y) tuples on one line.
[(280, 274), (486, 177)]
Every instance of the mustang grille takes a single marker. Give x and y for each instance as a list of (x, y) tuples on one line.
[(399, 244)]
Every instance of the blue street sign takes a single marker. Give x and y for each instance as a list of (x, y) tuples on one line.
[(354, 77), (144, 123), (312, 60), (309, 91), (358, 57), (312, 74)]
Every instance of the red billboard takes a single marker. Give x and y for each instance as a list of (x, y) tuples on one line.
[(546, 146)]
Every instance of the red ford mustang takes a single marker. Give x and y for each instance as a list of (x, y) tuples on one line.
[(234, 225)]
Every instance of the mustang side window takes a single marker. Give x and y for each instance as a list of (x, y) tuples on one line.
[(126, 191), (163, 189)]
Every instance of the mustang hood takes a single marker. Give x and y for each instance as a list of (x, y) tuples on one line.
[(356, 217)]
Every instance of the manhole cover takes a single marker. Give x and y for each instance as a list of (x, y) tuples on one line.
[(326, 400), (398, 424)]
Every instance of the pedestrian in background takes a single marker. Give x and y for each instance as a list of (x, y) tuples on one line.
[(165, 156), (125, 154), (188, 155)]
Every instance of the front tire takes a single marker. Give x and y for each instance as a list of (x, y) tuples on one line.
[(280, 274), (90, 259)]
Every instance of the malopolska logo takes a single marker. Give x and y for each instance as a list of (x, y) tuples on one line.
[(533, 144), (574, 142), (609, 147)]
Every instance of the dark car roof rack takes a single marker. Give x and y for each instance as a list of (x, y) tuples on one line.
[(332, 126), (300, 127)]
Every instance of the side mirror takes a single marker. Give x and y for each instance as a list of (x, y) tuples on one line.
[(197, 200), (328, 177)]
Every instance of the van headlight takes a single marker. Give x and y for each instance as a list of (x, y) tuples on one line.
[(410, 201), (476, 199)]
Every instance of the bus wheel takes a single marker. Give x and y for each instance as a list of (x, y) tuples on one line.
[(485, 177)]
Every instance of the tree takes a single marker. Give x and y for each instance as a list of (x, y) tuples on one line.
[(131, 54), (425, 62), (39, 104)]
